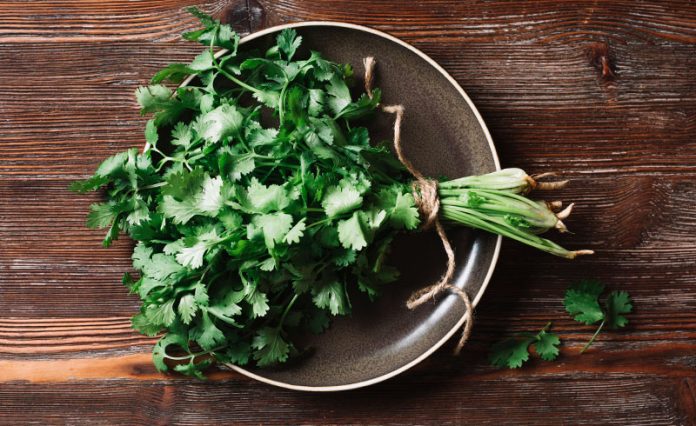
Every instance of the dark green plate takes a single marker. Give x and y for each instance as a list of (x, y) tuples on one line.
[(443, 134)]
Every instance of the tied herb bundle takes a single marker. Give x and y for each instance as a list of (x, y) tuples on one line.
[(260, 201)]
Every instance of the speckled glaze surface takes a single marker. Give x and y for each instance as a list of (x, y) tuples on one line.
[(443, 135)]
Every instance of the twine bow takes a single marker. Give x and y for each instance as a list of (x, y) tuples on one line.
[(425, 193)]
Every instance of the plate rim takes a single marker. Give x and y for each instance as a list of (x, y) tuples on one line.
[(496, 251)]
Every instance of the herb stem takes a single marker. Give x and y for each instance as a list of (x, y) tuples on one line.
[(319, 222), (154, 185), (287, 310), (276, 164), (281, 102), (194, 355), (594, 336), (237, 81)]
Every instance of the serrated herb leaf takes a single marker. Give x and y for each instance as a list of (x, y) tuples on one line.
[(514, 351)]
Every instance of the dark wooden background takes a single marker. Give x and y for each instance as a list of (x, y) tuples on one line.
[(600, 90)]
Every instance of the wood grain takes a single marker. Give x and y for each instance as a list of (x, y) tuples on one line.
[(602, 91), (419, 400)]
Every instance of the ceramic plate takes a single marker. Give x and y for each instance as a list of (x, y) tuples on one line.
[(444, 135)]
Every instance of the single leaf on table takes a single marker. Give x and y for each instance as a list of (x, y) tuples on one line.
[(617, 304), (582, 302), (511, 353), (547, 345)]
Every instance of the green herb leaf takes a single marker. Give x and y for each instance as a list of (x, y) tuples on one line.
[(339, 200), (617, 304), (270, 347), (547, 345), (514, 351), (582, 302), (332, 296), (350, 233), (288, 42)]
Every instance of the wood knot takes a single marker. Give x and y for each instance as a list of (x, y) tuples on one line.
[(600, 58), (246, 16)]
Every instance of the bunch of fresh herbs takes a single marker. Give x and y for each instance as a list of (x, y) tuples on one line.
[(260, 200)]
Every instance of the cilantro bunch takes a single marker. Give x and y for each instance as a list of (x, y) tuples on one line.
[(260, 205)]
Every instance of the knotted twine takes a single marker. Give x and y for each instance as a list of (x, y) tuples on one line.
[(425, 193)]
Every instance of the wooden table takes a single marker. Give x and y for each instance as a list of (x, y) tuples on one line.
[(600, 90)]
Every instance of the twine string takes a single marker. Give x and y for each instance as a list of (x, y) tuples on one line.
[(425, 193)]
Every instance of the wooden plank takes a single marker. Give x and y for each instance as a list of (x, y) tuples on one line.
[(95, 20), (520, 22), (417, 400), (618, 358)]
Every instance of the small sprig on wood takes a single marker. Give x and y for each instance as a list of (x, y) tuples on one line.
[(582, 303)]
